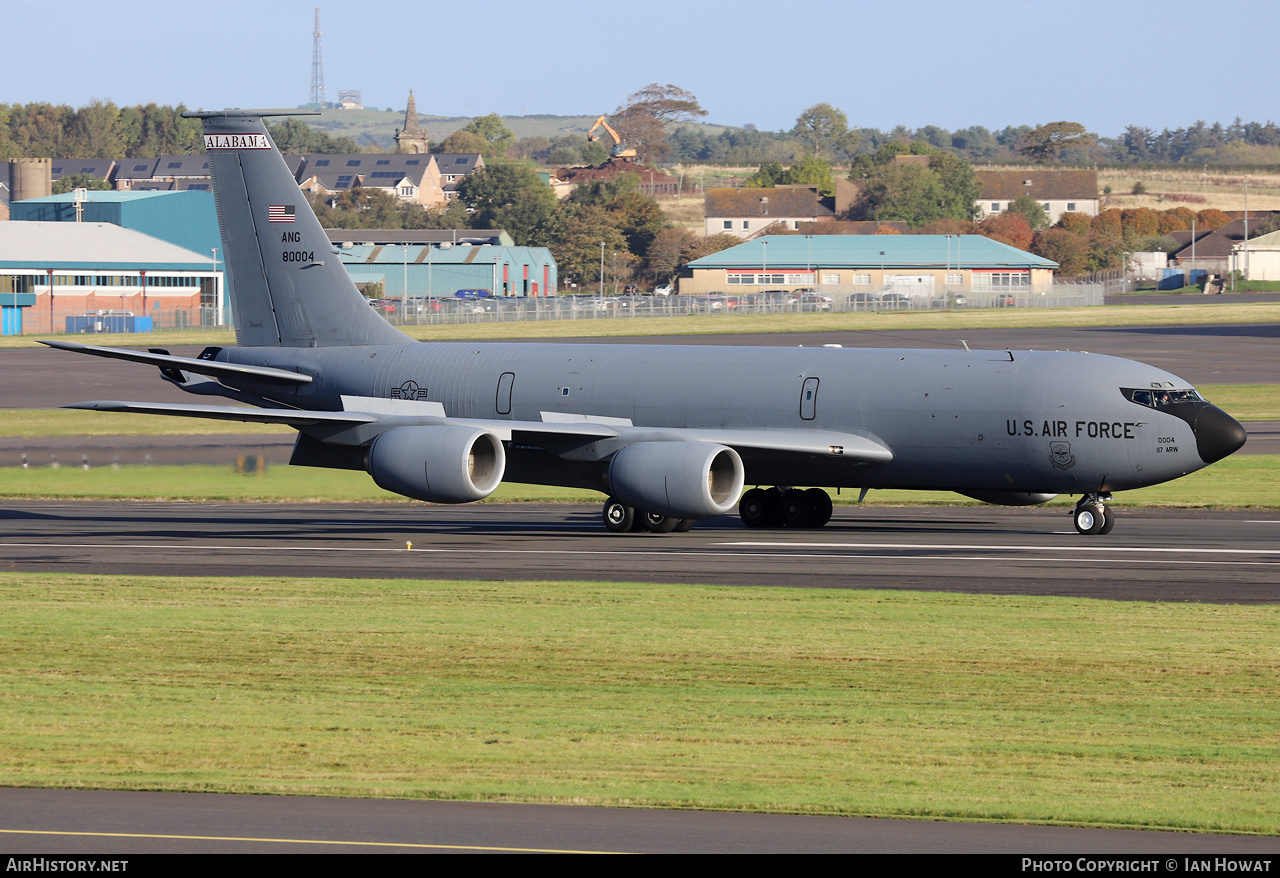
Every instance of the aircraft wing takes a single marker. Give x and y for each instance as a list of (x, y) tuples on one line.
[(579, 437), (186, 364)]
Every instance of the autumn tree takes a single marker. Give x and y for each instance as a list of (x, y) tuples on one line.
[(1208, 220), (1076, 223), (1069, 250), (1046, 143), (1008, 228), (642, 121)]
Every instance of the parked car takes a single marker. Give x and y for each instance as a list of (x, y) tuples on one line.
[(663, 290), (1006, 300), (895, 301), (814, 302)]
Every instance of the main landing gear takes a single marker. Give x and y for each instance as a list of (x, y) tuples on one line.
[(1093, 516), (785, 507), (620, 518)]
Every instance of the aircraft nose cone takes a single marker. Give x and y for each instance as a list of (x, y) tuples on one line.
[(1217, 434)]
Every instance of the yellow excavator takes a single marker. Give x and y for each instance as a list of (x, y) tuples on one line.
[(626, 153)]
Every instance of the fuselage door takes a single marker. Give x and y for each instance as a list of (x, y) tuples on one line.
[(502, 401), (809, 399)]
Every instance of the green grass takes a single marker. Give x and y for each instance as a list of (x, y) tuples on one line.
[(1044, 710), (708, 324), (1242, 481), (76, 422), (1245, 402)]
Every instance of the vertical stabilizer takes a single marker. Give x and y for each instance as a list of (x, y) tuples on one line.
[(288, 288)]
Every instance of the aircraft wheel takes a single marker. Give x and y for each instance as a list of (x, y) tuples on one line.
[(1089, 518), (618, 517), (773, 508), (1108, 520), (659, 524), (798, 509), (753, 508), (685, 525), (821, 501)]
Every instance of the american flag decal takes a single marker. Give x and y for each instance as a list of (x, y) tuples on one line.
[(280, 213)]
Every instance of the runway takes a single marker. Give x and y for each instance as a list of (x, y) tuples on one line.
[(71, 822), (1155, 555), (1158, 555)]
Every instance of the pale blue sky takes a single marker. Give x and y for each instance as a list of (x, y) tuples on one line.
[(1104, 63)]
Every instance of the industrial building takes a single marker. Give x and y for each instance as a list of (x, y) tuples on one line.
[(440, 269), (95, 276), (850, 264)]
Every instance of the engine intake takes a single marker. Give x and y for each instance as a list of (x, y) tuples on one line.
[(439, 464), (678, 479)]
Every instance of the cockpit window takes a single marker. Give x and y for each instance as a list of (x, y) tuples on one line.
[(1159, 397)]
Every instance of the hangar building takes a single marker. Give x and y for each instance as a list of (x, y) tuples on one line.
[(914, 265), (53, 275)]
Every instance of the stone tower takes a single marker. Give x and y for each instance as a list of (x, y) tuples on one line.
[(411, 139)]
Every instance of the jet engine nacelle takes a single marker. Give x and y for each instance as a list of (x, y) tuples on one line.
[(1010, 498), (454, 464), (679, 479)]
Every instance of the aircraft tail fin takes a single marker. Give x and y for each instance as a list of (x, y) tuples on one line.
[(288, 288)]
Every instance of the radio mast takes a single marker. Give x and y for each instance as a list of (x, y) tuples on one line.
[(317, 66)]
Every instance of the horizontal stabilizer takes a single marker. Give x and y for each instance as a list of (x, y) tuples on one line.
[(292, 417), (186, 364)]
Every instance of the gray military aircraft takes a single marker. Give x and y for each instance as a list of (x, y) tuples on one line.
[(670, 434)]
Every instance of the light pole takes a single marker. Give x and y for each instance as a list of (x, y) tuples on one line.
[(602, 269), (217, 293)]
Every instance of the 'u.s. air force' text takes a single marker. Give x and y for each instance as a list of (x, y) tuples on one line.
[(1060, 429)]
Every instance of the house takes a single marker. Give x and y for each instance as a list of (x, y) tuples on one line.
[(745, 213), (1058, 192), (427, 179)]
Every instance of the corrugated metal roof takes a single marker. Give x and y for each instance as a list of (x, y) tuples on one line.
[(91, 246), (873, 251)]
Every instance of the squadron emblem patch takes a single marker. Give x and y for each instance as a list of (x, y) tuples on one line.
[(1060, 455)]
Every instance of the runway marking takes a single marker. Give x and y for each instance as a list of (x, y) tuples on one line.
[(1011, 548), (927, 552), (377, 844)]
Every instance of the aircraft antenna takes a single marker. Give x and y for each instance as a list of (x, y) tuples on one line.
[(317, 65)]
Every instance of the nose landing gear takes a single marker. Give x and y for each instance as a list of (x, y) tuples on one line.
[(1092, 515)]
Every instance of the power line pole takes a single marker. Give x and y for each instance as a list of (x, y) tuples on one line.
[(317, 65)]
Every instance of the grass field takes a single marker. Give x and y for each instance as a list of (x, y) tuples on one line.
[(1043, 710), (1194, 312), (1242, 481)]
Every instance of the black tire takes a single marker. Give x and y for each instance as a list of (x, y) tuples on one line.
[(659, 524), (1088, 519), (753, 508), (1108, 520), (685, 525), (798, 509), (618, 517), (822, 508), (773, 507)]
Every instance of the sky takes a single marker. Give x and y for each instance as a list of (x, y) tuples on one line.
[(1104, 63)]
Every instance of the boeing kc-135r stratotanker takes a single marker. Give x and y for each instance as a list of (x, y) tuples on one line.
[(670, 434)]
